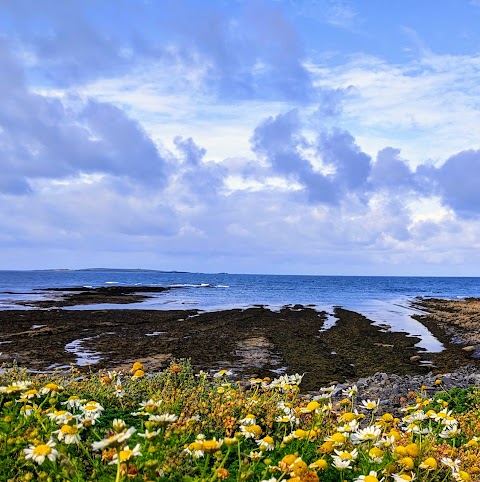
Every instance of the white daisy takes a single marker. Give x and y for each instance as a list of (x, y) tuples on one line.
[(126, 454), (69, 434), (38, 453)]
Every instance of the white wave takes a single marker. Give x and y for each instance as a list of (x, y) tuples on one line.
[(112, 283), (190, 285), (222, 286), (183, 285)]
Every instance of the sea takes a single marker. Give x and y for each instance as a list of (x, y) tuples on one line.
[(385, 300)]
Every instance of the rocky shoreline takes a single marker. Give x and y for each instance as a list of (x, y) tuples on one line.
[(250, 342), (460, 320), (85, 295), (392, 390)]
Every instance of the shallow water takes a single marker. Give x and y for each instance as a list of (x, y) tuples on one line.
[(384, 300)]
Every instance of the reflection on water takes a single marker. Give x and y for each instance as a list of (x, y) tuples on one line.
[(398, 317)]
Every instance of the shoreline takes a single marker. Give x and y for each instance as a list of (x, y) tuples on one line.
[(252, 342)]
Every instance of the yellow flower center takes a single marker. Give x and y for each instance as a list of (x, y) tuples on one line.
[(407, 462), (338, 438), (195, 446), (52, 386), (401, 450), (289, 459), (430, 462), (300, 467), (210, 445), (375, 452), (326, 447), (69, 429), (321, 464), (412, 450), (42, 450), (370, 478), (346, 456), (125, 455)]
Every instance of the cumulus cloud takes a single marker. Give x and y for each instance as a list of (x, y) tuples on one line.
[(280, 141), (457, 182), (254, 52), (195, 180), (43, 137), (390, 172), (352, 166), (337, 165)]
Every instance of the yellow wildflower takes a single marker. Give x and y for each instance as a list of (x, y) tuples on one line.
[(312, 406), (412, 450), (407, 463), (136, 366), (320, 464), (429, 464)]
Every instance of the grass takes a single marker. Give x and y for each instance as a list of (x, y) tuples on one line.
[(185, 426)]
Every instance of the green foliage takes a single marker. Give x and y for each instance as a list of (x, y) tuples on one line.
[(460, 400), (182, 426)]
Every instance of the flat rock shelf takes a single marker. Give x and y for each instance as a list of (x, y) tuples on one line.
[(252, 342)]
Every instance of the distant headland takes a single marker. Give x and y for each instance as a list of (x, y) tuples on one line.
[(117, 270)]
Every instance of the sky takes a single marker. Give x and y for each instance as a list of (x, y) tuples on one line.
[(330, 137)]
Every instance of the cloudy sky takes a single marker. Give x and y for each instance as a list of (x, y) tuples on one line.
[(262, 136)]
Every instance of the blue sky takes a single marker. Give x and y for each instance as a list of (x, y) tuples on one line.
[(276, 136)]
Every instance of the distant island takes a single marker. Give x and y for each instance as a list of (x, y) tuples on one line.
[(117, 270)]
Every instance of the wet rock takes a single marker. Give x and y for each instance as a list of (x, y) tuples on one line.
[(251, 342)]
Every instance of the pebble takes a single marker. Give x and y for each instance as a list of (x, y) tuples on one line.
[(391, 388)]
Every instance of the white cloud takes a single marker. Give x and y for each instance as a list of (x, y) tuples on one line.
[(118, 183), (427, 107)]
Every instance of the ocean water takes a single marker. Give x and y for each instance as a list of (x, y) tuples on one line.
[(383, 299)]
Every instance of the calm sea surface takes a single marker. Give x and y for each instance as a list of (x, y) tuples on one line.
[(382, 299)]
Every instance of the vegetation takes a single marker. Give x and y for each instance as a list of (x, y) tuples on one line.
[(184, 426)]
